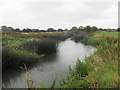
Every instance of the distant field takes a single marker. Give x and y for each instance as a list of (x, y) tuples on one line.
[(107, 34)]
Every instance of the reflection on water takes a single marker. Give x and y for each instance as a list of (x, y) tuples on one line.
[(52, 66)]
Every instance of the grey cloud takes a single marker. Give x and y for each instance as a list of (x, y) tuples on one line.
[(64, 14)]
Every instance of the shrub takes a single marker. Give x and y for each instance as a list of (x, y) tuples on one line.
[(77, 37), (59, 37), (46, 46), (13, 58), (80, 68), (81, 37), (93, 42)]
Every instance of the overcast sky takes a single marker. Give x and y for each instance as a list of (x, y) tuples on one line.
[(43, 14)]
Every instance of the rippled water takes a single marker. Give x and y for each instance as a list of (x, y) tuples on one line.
[(52, 66)]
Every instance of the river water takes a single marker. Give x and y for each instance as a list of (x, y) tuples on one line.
[(50, 67)]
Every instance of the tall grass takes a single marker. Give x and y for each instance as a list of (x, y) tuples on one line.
[(101, 68), (13, 58), (58, 36), (19, 48), (46, 46)]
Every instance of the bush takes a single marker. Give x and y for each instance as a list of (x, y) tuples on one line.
[(81, 37), (59, 37), (13, 58), (80, 68), (46, 46), (93, 42), (76, 74), (77, 37)]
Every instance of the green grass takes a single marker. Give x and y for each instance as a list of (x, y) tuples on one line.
[(101, 68), (106, 34), (19, 47), (14, 58), (46, 46)]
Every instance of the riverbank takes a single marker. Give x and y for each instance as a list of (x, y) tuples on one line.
[(21, 48), (100, 70), (50, 66)]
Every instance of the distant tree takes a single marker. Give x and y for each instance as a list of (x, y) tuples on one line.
[(35, 30), (100, 29), (24, 30), (42, 31), (3, 28), (88, 29), (29, 30), (50, 30), (81, 28), (66, 29), (10, 28), (94, 28), (74, 28), (118, 29), (60, 30), (17, 30)]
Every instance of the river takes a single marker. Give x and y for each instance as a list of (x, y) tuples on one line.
[(50, 67)]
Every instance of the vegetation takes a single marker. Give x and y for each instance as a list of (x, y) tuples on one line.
[(19, 47), (46, 46), (100, 70), (14, 58)]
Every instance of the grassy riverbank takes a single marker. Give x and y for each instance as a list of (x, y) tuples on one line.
[(19, 48), (100, 70)]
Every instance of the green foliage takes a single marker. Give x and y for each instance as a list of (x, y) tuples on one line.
[(13, 58), (80, 68), (92, 42), (88, 29), (76, 76), (101, 67), (58, 36), (19, 47), (46, 46), (98, 70), (81, 37)]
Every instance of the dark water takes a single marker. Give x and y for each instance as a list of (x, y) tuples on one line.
[(52, 66)]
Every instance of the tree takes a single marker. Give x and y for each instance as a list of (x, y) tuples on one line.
[(81, 28), (17, 30), (10, 28), (118, 29), (3, 28), (60, 30), (94, 28), (88, 29), (50, 30), (74, 28), (42, 31), (66, 29), (29, 30)]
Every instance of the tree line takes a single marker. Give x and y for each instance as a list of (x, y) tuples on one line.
[(88, 29)]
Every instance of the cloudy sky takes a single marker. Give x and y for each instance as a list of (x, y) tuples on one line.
[(56, 14)]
